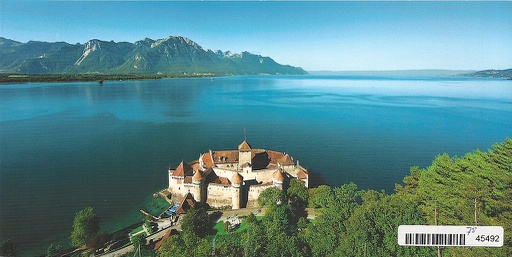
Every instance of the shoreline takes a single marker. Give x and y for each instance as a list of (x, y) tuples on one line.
[(100, 78)]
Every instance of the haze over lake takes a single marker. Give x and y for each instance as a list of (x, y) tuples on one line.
[(66, 146)]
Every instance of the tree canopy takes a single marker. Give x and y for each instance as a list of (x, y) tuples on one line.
[(86, 225), (468, 190)]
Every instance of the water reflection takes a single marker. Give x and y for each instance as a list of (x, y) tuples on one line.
[(171, 100)]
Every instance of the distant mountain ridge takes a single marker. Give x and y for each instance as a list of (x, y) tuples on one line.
[(174, 55)]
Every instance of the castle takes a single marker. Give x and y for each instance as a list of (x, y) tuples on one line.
[(234, 177)]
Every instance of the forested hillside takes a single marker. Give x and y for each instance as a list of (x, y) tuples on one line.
[(468, 190), (174, 55)]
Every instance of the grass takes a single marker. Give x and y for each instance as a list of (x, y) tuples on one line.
[(220, 228), (136, 230), (148, 226)]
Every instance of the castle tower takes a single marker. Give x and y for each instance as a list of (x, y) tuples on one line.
[(278, 178), (169, 175), (199, 188), (236, 182), (244, 154)]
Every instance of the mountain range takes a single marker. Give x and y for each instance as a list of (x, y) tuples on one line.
[(174, 55)]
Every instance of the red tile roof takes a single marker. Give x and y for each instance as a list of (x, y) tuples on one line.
[(225, 156), (274, 156), (285, 160), (222, 180), (182, 170), (195, 165), (278, 176), (165, 237), (263, 184), (198, 176), (302, 175), (244, 146), (237, 178), (207, 159), (187, 202)]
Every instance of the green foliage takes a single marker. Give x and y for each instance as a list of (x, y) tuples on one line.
[(298, 190), (196, 222), (228, 246), (372, 228), (227, 226), (452, 187), (253, 240), (340, 204), (185, 245), (320, 196), (174, 246), (298, 197), (271, 196), (353, 222), (86, 225), (138, 240), (54, 251), (8, 248), (148, 226)]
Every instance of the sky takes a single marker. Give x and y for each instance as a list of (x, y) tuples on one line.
[(336, 36)]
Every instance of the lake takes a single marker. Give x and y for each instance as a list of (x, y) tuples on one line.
[(66, 146)]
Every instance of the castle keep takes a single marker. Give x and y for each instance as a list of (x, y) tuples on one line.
[(234, 177)]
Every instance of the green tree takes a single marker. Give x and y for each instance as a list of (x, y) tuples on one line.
[(86, 225), (54, 251), (228, 246), (8, 248), (340, 204), (226, 225), (474, 189), (138, 240), (253, 240), (298, 190), (196, 222), (174, 246), (372, 228), (271, 196), (320, 197), (298, 200)]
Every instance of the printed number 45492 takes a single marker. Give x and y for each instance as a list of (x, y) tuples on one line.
[(488, 238)]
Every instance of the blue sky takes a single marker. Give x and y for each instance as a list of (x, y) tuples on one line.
[(313, 35)]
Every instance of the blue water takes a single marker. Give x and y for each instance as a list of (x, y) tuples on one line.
[(66, 146)]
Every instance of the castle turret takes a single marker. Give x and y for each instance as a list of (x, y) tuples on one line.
[(244, 154), (199, 187), (286, 163), (236, 183), (278, 178)]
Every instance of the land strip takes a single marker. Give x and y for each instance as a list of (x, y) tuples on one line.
[(26, 78)]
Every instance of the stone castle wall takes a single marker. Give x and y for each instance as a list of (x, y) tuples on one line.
[(219, 195)]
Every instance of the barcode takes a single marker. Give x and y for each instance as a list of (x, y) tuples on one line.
[(434, 239)]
